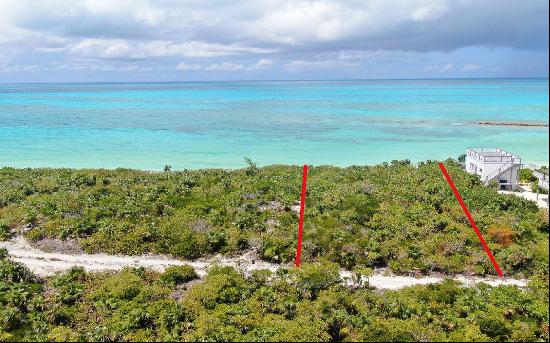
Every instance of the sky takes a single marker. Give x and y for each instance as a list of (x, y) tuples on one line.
[(204, 40)]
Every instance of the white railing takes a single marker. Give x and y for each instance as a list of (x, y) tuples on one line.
[(498, 155)]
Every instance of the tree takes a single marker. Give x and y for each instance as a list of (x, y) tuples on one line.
[(252, 169)]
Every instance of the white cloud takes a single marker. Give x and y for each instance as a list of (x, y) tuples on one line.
[(470, 67), (440, 69), (225, 66), (305, 65), (429, 11), (116, 48), (17, 68), (261, 65), (351, 55), (298, 22), (399, 36), (420, 25), (192, 66)]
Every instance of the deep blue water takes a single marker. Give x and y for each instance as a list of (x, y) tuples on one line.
[(216, 124)]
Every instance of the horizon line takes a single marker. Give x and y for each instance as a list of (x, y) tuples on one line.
[(287, 80)]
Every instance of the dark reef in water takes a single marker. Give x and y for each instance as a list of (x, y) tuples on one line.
[(512, 124)]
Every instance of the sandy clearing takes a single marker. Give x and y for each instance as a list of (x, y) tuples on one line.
[(48, 263)]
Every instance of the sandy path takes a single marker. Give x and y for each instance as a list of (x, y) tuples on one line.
[(48, 263)]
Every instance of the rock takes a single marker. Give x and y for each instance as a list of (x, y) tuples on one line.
[(53, 245), (28, 227), (295, 207), (272, 206)]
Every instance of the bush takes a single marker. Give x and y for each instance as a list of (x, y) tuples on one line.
[(357, 216), (175, 275), (526, 175), (304, 303), (310, 279), (502, 235), (5, 232)]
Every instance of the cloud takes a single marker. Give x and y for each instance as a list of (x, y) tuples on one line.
[(429, 11), (225, 66), (116, 48), (440, 69), (309, 65), (287, 35), (17, 68), (261, 65), (186, 66), (421, 25), (470, 67)]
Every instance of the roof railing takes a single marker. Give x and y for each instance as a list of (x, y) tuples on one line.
[(499, 155)]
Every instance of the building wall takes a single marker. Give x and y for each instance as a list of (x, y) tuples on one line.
[(480, 168), (484, 170), (511, 176)]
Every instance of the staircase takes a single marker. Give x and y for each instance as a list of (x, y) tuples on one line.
[(497, 173)]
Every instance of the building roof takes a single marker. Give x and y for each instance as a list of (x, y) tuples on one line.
[(493, 155)]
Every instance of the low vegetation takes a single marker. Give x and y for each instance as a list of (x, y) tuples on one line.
[(527, 176), (394, 215), (306, 304)]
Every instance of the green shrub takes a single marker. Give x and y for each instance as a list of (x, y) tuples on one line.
[(5, 232), (175, 275), (310, 279), (361, 216), (526, 175)]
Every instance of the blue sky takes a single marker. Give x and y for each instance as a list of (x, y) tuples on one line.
[(164, 40)]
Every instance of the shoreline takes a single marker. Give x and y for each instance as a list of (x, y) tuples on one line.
[(244, 166)]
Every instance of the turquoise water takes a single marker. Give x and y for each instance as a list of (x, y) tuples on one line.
[(216, 124)]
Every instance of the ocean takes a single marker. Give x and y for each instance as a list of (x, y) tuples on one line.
[(216, 124)]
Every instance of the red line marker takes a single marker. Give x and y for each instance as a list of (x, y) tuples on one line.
[(472, 222), (301, 221)]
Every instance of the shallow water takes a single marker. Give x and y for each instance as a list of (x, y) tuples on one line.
[(216, 124)]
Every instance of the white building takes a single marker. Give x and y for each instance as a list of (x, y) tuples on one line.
[(494, 164)]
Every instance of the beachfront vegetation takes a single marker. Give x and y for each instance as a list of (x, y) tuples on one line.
[(306, 304), (394, 215)]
